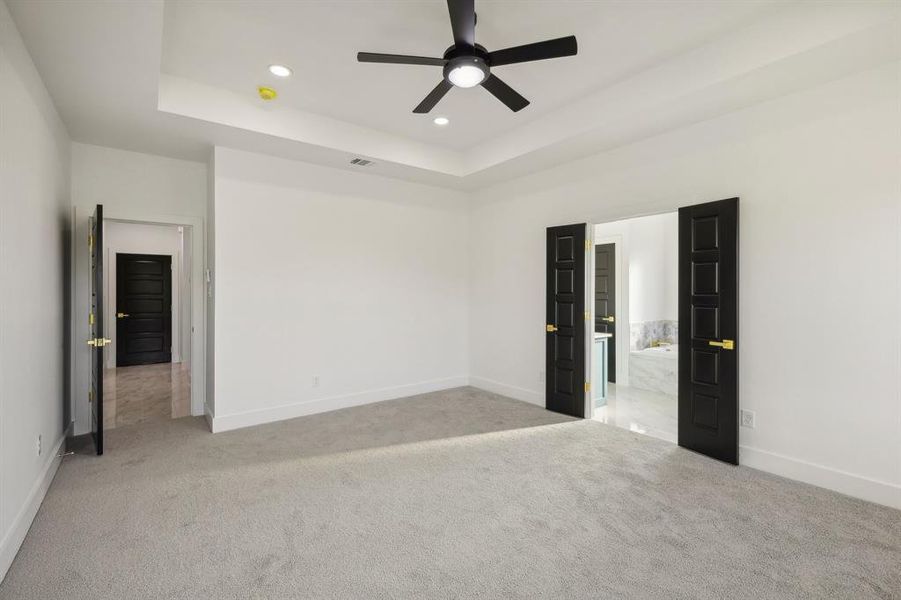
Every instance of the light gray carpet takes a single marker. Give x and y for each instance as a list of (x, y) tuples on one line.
[(459, 494)]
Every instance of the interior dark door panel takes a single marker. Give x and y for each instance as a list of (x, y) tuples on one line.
[(565, 324), (605, 301), (708, 329), (143, 309), (97, 342)]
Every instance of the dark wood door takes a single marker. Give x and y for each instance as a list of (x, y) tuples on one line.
[(708, 329), (605, 301), (97, 342), (143, 309), (565, 329)]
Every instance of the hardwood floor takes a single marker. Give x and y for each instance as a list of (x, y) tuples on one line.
[(146, 393)]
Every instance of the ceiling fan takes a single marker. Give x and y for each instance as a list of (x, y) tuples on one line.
[(467, 64)]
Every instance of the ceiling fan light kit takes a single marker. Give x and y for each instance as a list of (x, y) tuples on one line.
[(467, 64)]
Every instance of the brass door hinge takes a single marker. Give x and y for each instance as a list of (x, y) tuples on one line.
[(588, 244), (587, 386), (91, 319), (587, 315), (90, 241)]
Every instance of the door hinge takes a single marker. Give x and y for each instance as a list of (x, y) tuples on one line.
[(90, 241), (587, 315), (91, 319), (587, 386), (588, 244)]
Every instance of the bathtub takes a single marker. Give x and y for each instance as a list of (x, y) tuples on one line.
[(655, 369)]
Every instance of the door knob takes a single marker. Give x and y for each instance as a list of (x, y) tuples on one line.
[(550, 328), (725, 344), (608, 319), (122, 315)]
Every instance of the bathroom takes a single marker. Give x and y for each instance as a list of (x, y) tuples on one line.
[(636, 309)]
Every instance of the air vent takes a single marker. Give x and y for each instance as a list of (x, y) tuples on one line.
[(361, 162)]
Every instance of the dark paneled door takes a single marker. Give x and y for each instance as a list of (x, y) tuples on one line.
[(605, 301), (97, 342), (143, 309), (565, 329), (708, 329)]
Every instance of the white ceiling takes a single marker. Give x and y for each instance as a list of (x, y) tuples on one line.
[(230, 44), (176, 77)]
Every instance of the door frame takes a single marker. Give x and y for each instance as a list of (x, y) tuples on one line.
[(198, 317)]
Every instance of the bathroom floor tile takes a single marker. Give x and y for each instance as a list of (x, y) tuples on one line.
[(642, 411)]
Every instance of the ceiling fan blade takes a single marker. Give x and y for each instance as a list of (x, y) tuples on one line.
[(565, 46), (463, 21), (505, 93), (399, 59), (434, 96)]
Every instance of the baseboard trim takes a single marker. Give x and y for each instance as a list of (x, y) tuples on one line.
[(320, 405), (880, 492), (11, 543), (517, 393)]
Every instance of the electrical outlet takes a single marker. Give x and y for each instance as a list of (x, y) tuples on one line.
[(315, 381), (747, 418), (40, 444)]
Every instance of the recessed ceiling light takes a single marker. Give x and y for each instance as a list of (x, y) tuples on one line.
[(280, 70), (441, 121)]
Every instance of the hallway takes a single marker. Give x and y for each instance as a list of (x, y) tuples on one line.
[(146, 393)]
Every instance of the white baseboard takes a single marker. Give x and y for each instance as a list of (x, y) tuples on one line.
[(311, 407), (880, 492), (11, 543), (517, 393)]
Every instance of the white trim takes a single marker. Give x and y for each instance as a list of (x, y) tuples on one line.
[(880, 492), (510, 391), (10, 544), (300, 409)]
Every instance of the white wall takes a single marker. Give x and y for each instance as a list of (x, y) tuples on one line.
[(34, 269), (652, 262), (141, 188), (355, 279), (139, 238), (820, 186)]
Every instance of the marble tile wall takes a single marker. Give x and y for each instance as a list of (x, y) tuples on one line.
[(654, 372), (643, 333)]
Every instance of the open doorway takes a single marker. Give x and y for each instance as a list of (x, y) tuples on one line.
[(147, 311), (635, 286)]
